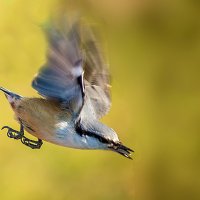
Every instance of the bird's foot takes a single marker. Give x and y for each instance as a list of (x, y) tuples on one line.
[(32, 143), (20, 135), (13, 133)]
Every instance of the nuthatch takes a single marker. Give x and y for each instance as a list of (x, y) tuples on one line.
[(75, 87)]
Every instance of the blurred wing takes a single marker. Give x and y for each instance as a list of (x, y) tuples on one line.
[(96, 75), (61, 78)]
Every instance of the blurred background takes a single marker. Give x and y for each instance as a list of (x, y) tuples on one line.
[(153, 48)]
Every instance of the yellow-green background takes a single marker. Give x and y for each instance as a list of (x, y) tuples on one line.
[(153, 48)]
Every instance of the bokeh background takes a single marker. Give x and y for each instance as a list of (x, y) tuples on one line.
[(153, 48)]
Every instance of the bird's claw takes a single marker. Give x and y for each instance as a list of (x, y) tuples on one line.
[(32, 143), (13, 133), (20, 135)]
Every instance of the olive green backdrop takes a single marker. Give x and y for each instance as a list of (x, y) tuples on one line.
[(153, 48)]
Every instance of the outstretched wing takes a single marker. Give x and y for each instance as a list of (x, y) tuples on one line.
[(97, 77), (61, 78)]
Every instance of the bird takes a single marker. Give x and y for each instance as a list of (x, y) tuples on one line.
[(74, 88)]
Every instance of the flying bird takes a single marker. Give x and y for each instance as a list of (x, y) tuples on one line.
[(74, 85)]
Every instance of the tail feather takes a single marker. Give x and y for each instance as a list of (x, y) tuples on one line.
[(5, 90), (9, 93), (123, 150)]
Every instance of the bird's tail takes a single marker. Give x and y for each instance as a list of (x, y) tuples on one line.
[(121, 149), (5, 91), (9, 93)]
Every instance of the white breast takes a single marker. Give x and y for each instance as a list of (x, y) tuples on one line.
[(67, 136)]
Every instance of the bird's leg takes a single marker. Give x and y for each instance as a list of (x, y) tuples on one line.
[(13, 133), (32, 143), (20, 135)]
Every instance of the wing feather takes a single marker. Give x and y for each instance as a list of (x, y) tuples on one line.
[(97, 77), (61, 78)]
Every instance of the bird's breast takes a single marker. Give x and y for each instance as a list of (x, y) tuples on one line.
[(66, 135), (47, 121)]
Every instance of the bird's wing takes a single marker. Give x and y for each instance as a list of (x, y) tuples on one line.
[(97, 77), (61, 78)]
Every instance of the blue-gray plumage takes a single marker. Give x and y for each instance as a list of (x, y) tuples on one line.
[(75, 85)]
